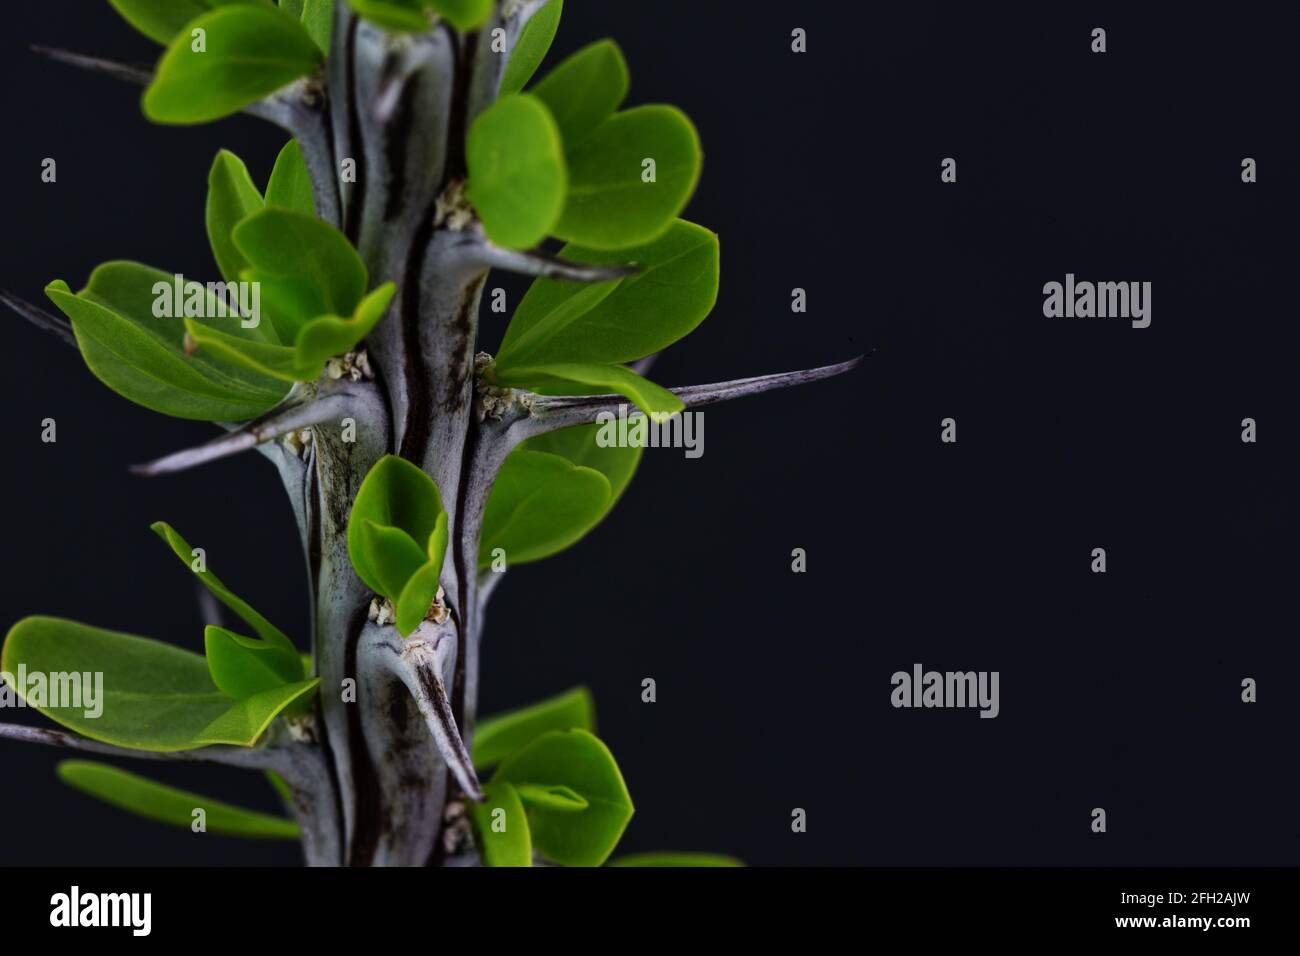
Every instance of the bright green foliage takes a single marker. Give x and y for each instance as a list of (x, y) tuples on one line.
[(246, 51), (579, 333), (549, 774), (313, 288), (555, 774), (240, 666), (621, 320), (232, 197), (675, 860), (317, 18), (616, 199), (397, 538), (404, 16), (155, 696), (162, 20), (553, 797), (290, 184), (535, 510), (244, 666), (502, 826), (499, 736), (585, 90), (630, 173), (581, 445), (282, 789), (531, 46), (516, 170), (143, 357), (263, 628), (462, 14), (412, 16), (156, 801), (284, 244), (541, 503), (316, 340)]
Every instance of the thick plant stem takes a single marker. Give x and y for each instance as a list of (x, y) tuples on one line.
[(410, 777), (396, 105)]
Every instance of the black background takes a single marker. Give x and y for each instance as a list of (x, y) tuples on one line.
[(822, 171)]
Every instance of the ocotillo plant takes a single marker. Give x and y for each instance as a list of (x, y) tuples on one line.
[(342, 343)]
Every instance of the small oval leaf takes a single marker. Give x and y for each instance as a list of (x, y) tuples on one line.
[(516, 168), (578, 761), (502, 734), (243, 53)]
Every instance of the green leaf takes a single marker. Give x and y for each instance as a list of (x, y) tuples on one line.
[(581, 445), (282, 789), (531, 46), (393, 556), (394, 494), (290, 183), (502, 827), (243, 666), (551, 797), (263, 628), (243, 723), (317, 340), (675, 860), (249, 52), (312, 278), (232, 197), (148, 297), (288, 303), (405, 16), (621, 321), (501, 735), (464, 15), (156, 801), (542, 321), (142, 357), (420, 590), (539, 505), (154, 696), (655, 400), (516, 168), (162, 20), (317, 18), (585, 90), (330, 335), (577, 761), (397, 537), (609, 204), (290, 244), (276, 361)]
